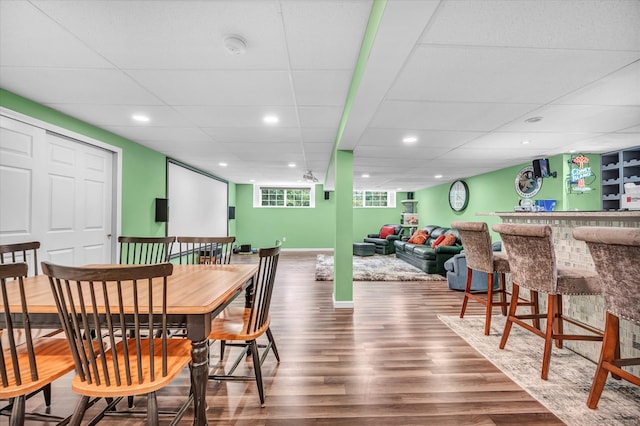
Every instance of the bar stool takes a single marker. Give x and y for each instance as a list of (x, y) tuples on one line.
[(481, 257), (616, 255), (533, 265)]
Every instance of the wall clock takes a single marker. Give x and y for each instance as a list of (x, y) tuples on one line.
[(526, 184), (458, 195)]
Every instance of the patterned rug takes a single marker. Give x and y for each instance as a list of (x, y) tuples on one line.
[(375, 268), (565, 392)]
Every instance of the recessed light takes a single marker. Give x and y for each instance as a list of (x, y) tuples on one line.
[(533, 120), (141, 118), (572, 151), (292, 164), (525, 142), (270, 119), (410, 139), (223, 164), (438, 176), (365, 175), (252, 180)]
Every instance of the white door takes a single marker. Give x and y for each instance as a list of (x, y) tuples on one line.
[(57, 191)]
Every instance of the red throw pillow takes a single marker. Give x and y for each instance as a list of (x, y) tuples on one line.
[(437, 241), (385, 231), (449, 240)]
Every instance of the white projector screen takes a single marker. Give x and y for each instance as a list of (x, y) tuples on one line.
[(198, 203)]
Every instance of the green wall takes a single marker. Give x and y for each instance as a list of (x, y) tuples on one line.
[(303, 227), (143, 170), (495, 192)]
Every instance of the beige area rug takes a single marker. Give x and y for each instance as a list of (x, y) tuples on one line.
[(565, 392), (375, 268)]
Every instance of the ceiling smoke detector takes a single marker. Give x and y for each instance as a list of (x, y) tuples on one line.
[(235, 45), (309, 177)]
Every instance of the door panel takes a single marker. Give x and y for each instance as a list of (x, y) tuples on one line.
[(55, 190)]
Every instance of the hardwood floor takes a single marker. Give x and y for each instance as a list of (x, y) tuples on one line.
[(388, 361)]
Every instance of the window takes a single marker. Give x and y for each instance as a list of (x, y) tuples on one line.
[(374, 199), (283, 196)]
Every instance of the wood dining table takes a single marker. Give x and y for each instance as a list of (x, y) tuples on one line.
[(195, 295)]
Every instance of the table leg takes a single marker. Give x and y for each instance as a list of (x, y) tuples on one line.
[(199, 377)]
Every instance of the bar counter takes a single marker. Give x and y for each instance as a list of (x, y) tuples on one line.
[(571, 252)]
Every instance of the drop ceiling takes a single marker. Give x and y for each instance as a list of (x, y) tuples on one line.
[(461, 76)]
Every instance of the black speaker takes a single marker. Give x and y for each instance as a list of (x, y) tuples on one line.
[(326, 195), (162, 210), (232, 212), (409, 195)]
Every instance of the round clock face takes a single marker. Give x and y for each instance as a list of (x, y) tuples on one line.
[(458, 195)]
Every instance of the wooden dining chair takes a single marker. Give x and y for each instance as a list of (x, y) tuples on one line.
[(109, 299), (21, 252), (616, 256), (205, 250), (26, 252), (27, 364), (254, 322), (145, 250)]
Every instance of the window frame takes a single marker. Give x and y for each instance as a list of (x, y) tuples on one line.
[(391, 199), (258, 198)]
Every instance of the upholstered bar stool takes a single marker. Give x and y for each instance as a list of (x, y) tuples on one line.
[(533, 265), (480, 257), (616, 255)]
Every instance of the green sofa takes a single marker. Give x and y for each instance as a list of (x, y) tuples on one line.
[(423, 256)]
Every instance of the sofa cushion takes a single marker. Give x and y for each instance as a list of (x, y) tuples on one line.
[(424, 252), (379, 241), (387, 230)]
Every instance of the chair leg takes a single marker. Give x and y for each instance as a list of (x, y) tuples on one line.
[(222, 349), (152, 409), (548, 339), (607, 354), (535, 308), (273, 344), (559, 326), (130, 401), (489, 305), (503, 293), (466, 292), (17, 411), (257, 369), (512, 312), (46, 391), (78, 414)]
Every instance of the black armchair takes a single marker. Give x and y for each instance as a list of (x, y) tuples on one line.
[(384, 238)]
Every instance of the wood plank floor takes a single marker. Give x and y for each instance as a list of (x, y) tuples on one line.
[(388, 361)]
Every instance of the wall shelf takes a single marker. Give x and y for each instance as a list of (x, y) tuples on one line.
[(618, 168)]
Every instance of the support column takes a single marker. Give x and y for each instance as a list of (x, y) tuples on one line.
[(343, 250)]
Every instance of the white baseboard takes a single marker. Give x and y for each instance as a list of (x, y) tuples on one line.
[(342, 304)]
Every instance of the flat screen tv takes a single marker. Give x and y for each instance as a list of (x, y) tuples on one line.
[(541, 168)]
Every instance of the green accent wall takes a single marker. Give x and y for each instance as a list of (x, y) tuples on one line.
[(495, 192), (143, 170)]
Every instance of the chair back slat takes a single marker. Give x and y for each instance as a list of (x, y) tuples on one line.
[(263, 288), (205, 250), (21, 252), (13, 274), (116, 305), (145, 250)]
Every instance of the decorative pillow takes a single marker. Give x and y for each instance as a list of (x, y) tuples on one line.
[(448, 240), (437, 241), (419, 237), (385, 231)]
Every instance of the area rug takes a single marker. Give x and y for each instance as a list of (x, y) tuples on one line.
[(375, 268), (565, 392)]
